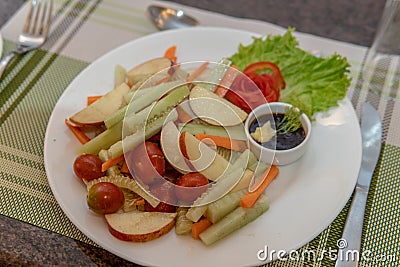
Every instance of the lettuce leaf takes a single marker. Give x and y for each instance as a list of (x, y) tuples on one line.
[(313, 84)]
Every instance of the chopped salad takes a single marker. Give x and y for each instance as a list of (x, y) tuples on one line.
[(169, 149)]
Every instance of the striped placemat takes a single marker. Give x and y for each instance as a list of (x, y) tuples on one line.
[(84, 30)]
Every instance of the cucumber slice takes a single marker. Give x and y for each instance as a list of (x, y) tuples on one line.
[(131, 141), (234, 132), (228, 181), (119, 75), (103, 140), (220, 208), (140, 99), (183, 225), (223, 185), (134, 122), (234, 221), (216, 75)]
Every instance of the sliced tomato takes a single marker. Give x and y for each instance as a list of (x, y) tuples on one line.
[(271, 67), (246, 93), (259, 83)]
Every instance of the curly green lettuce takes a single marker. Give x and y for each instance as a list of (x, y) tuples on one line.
[(313, 84)]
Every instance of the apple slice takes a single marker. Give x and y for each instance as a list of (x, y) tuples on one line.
[(169, 141), (213, 109), (202, 157), (139, 226), (148, 68), (97, 112)]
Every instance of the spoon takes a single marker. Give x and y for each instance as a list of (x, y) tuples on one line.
[(167, 18)]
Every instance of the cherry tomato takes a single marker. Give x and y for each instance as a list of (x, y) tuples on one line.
[(156, 137), (171, 174), (164, 191), (105, 197), (88, 167), (156, 157), (162, 207), (197, 183), (147, 162)]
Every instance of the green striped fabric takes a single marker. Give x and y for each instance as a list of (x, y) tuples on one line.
[(33, 83)]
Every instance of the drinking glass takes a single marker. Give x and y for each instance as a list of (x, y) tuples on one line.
[(382, 64)]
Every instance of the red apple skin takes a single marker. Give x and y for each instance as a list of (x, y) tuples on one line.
[(142, 238), (119, 235), (182, 145)]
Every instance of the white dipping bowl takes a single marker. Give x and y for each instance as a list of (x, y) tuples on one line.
[(273, 156)]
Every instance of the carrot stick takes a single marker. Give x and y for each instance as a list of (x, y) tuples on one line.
[(250, 198), (170, 53), (199, 227), (91, 99), (138, 202), (183, 116), (197, 72), (223, 141), (124, 167), (111, 162), (79, 134), (226, 81)]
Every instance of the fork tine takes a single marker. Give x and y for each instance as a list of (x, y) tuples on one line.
[(33, 35), (34, 21), (28, 17), (47, 13), (38, 19), (42, 18)]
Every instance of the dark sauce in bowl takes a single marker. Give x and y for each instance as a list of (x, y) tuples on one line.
[(281, 141)]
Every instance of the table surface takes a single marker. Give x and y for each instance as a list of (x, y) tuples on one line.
[(349, 21)]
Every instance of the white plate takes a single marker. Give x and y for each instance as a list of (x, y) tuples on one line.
[(304, 199)]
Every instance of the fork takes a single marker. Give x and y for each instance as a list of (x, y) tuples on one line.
[(34, 32)]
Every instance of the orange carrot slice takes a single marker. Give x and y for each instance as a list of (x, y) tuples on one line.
[(197, 72), (124, 167), (222, 141), (111, 162), (77, 131), (91, 99), (226, 81), (199, 227), (250, 198), (139, 202), (170, 53)]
